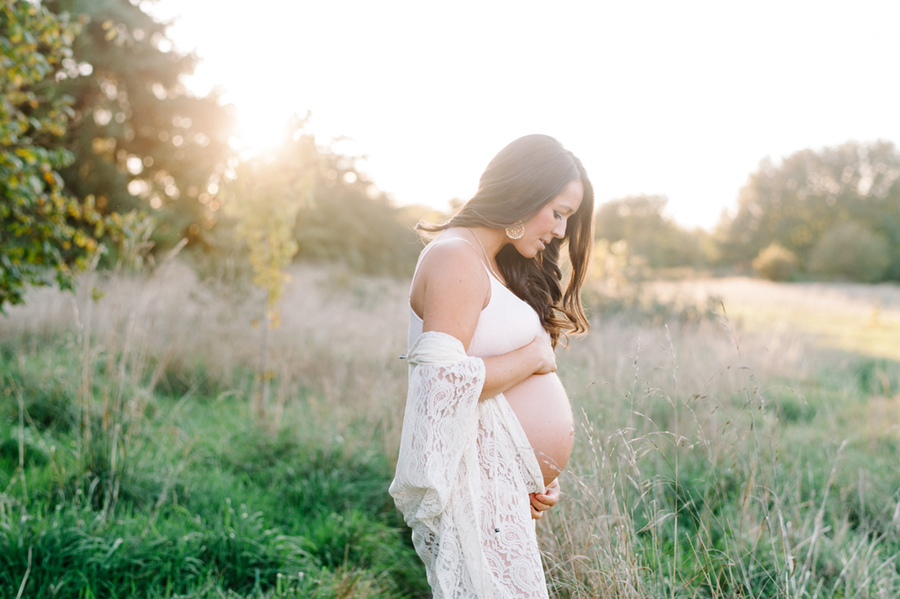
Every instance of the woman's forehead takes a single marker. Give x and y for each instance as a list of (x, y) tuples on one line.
[(570, 197)]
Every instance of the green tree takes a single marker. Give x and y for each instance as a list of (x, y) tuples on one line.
[(796, 202), (850, 251), (139, 138), (641, 222), (265, 197), (775, 263), (350, 220), (45, 233)]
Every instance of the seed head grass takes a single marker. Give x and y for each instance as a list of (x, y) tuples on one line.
[(712, 459)]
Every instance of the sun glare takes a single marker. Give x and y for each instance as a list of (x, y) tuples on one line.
[(258, 131), (636, 94)]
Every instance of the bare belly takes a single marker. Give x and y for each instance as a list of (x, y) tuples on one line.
[(543, 409)]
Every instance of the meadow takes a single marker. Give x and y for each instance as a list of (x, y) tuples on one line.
[(720, 451)]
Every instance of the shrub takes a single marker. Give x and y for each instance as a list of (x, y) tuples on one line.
[(775, 263), (852, 251)]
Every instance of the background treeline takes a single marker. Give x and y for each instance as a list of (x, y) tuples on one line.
[(101, 141), (831, 213), (836, 212)]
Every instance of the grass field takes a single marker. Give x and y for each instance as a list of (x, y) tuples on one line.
[(738, 453), (859, 318)]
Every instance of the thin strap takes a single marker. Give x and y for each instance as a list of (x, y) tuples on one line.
[(486, 259), (441, 240), (422, 255)]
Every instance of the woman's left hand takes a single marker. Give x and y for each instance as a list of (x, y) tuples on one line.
[(541, 502)]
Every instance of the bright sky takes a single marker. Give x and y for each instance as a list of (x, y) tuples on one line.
[(676, 98)]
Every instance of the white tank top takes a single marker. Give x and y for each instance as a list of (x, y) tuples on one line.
[(505, 324)]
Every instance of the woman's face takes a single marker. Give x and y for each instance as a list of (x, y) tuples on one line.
[(551, 221)]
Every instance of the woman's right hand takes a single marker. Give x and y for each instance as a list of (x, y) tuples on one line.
[(543, 354)]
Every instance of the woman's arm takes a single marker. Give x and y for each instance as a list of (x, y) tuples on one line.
[(507, 370), (451, 290)]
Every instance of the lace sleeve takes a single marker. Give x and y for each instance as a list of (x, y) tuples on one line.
[(461, 482), (440, 422)]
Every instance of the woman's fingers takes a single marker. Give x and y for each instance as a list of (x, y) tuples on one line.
[(546, 358), (537, 508), (541, 502), (538, 503), (551, 493)]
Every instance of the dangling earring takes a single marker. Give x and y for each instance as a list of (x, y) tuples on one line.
[(516, 231)]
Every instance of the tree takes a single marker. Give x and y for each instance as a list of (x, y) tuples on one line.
[(850, 251), (265, 197), (796, 202), (349, 219), (139, 138), (641, 222), (45, 233), (775, 263)]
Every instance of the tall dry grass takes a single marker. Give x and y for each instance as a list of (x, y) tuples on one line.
[(709, 461), (849, 316), (336, 350), (692, 478), (843, 296)]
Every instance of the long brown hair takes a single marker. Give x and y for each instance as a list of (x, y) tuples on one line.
[(520, 180)]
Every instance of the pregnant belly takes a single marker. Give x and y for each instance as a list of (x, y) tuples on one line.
[(543, 410)]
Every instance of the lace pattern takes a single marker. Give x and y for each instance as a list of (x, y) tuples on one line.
[(463, 477)]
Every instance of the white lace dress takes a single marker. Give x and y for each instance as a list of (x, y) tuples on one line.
[(463, 477)]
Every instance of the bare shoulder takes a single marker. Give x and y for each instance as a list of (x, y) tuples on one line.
[(452, 258), (451, 289)]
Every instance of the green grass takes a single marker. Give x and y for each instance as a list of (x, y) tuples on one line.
[(875, 334), (207, 503), (713, 457), (857, 318), (711, 462)]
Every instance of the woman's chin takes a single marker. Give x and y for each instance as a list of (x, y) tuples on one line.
[(528, 252)]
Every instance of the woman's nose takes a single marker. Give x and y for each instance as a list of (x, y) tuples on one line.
[(559, 231)]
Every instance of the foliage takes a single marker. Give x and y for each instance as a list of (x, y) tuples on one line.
[(351, 220), (139, 138), (851, 251), (268, 191), (797, 201), (38, 236), (707, 461), (266, 195), (616, 288), (197, 502), (641, 222), (775, 263)]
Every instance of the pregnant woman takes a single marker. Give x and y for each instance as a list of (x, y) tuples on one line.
[(488, 426)]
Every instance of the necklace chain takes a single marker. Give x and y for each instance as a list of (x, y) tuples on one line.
[(488, 260)]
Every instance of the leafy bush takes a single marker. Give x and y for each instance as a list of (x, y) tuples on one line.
[(775, 263), (852, 251), (39, 235), (641, 222), (797, 200)]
